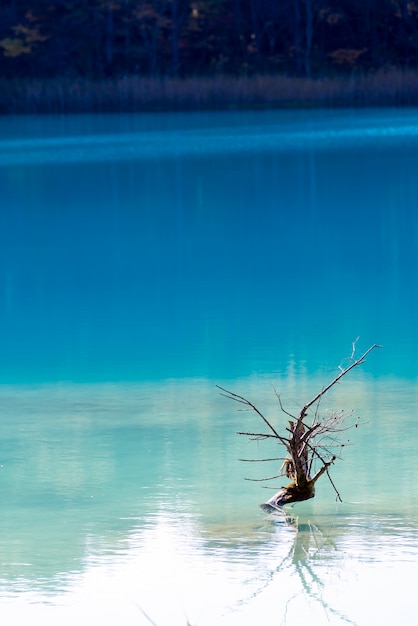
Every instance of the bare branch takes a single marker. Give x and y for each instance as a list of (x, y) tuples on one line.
[(261, 460), (359, 361), (237, 398), (310, 446), (261, 480), (323, 469), (261, 435), (281, 405), (333, 486), (351, 357)]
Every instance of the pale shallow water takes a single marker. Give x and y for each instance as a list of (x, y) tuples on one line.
[(124, 496), (146, 259)]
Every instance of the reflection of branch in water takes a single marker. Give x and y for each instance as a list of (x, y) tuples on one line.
[(308, 544), (151, 621)]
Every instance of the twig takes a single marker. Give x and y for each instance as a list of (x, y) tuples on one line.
[(359, 361), (262, 480), (333, 485), (281, 405), (262, 460), (151, 621), (237, 398), (261, 435)]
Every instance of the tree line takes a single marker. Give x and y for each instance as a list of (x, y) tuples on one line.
[(98, 39)]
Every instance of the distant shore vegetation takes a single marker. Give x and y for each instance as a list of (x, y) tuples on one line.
[(135, 55), (147, 94)]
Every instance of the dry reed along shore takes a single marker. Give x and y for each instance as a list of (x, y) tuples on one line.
[(136, 93)]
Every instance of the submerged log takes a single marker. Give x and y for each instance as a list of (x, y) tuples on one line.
[(308, 445)]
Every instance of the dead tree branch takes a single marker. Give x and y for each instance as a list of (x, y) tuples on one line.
[(307, 445)]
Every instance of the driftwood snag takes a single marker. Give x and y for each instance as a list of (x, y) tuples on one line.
[(311, 441)]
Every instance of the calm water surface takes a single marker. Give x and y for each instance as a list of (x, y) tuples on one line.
[(145, 259)]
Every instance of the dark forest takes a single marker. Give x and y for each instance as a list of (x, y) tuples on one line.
[(98, 39)]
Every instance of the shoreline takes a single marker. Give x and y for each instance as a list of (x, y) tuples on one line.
[(136, 94)]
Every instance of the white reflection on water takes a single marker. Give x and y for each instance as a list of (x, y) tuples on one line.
[(116, 497), (288, 577)]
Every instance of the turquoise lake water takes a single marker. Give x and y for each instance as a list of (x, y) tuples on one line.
[(146, 259)]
